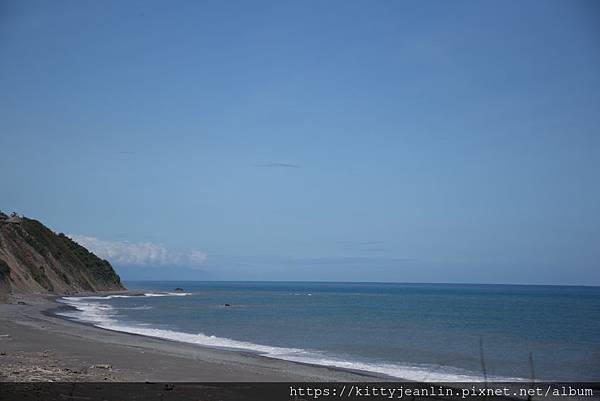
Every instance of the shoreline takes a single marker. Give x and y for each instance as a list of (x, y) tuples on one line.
[(36, 344)]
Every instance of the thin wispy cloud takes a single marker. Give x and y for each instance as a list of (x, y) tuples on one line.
[(362, 242), (364, 246), (278, 165), (140, 253)]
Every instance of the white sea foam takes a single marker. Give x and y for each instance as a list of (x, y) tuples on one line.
[(167, 294), (148, 294), (143, 307), (99, 297), (103, 316)]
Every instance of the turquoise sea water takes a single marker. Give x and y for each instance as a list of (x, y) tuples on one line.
[(413, 331)]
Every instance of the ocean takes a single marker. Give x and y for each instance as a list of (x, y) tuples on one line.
[(431, 332)]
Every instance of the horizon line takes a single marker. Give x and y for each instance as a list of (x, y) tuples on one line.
[(368, 282)]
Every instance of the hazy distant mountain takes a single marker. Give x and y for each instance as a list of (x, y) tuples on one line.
[(33, 258)]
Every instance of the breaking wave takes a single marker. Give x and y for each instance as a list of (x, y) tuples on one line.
[(102, 315)]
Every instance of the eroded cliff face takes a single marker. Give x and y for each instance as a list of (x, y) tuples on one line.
[(35, 259)]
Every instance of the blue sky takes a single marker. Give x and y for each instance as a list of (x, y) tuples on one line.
[(341, 140)]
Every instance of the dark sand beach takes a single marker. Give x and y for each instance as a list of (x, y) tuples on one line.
[(36, 345)]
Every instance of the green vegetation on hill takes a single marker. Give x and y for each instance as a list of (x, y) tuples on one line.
[(48, 260), (69, 253), (39, 275), (4, 269), (100, 269)]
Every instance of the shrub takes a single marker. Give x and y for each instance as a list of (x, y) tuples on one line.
[(4, 269)]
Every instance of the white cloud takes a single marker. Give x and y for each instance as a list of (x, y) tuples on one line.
[(140, 253)]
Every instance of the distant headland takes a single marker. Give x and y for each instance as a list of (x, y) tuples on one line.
[(35, 259)]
